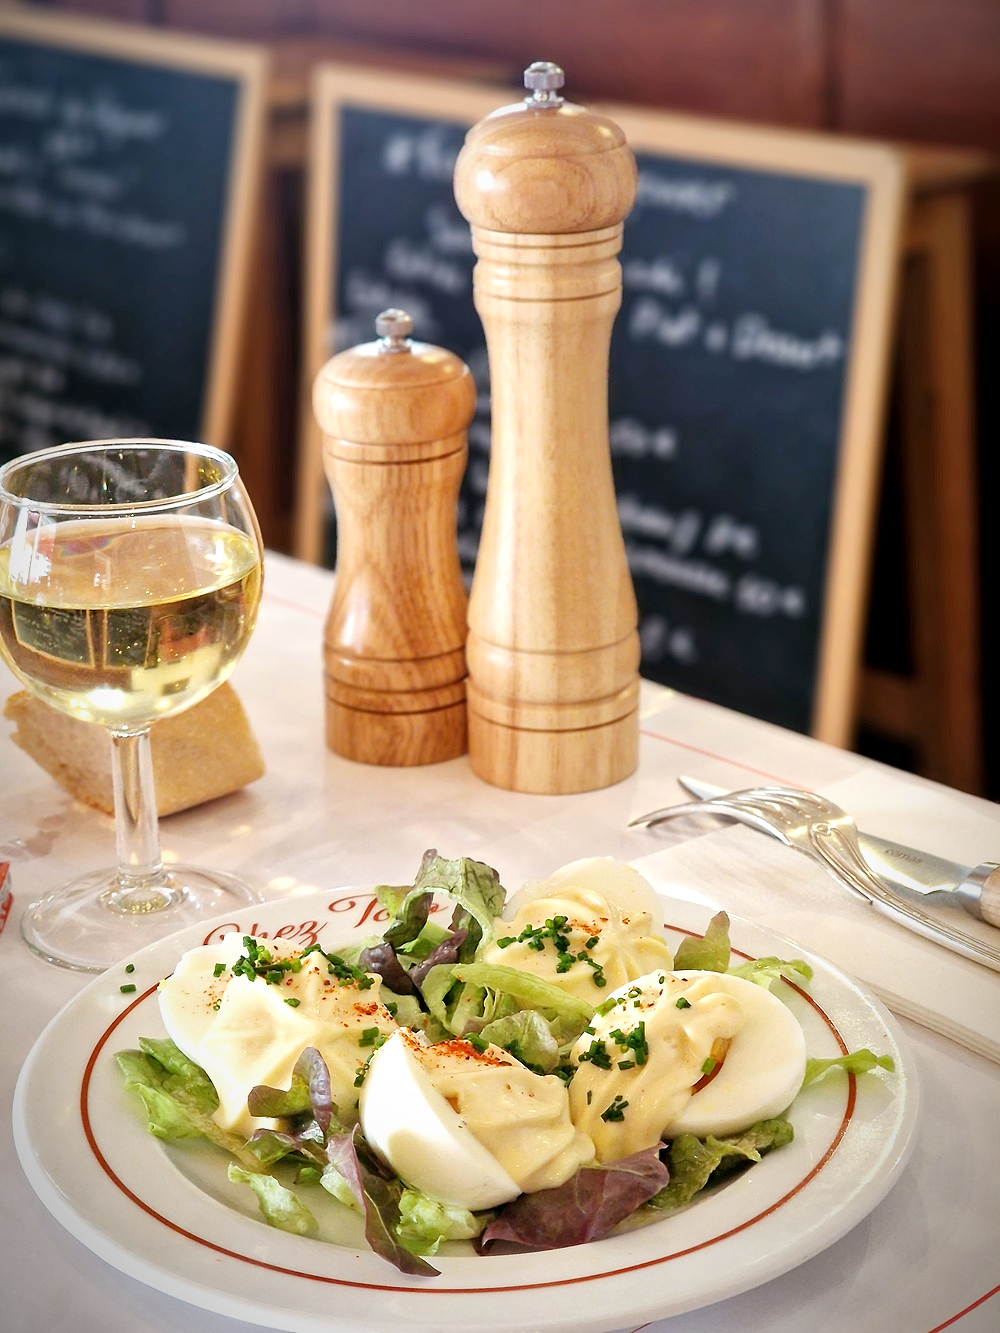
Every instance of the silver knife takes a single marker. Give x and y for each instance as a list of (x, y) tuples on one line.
[(975, 888)]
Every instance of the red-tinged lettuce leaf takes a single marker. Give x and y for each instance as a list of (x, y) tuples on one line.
[(377, 1193), (448, 951), (382, 960), (310, 1090), (588, 1206)]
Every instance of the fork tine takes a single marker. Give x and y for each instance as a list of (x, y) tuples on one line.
[(741, 812), (673, 811)]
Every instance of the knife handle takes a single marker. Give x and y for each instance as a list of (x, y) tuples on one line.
[(981, 892)]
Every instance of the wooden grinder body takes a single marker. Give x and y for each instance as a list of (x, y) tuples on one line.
[(553, 648), (394, 422)]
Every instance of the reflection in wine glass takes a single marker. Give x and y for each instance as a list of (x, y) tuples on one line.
[(130, 576)]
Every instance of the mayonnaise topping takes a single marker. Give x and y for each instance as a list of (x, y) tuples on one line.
[(643, 1053), (592, 946), (520, 1118), (246, 1031), (523, 1118)]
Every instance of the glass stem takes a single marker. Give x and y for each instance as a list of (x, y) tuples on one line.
[(141, 883)]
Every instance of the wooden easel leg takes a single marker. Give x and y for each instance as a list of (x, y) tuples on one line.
[(940, 709)]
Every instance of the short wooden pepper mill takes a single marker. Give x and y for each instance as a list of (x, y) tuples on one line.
[(553, 649), (394, 415)]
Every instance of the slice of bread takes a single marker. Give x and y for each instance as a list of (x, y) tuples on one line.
[(206, 751)]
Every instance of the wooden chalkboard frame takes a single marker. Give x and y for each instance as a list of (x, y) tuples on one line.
[(248, 66), (335, 86), (878, 169)]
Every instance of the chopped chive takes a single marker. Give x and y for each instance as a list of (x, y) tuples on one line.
[(682, 1003), (292, 1001), (130, 967), (218, 970), (596, 1055), (127, 989), (708, 1066), (616, 1111)]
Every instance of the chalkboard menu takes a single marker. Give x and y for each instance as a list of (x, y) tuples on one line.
[(127, 170), (746, 371)]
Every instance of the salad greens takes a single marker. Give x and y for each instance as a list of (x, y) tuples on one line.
[(695, 1163), (432, 980)]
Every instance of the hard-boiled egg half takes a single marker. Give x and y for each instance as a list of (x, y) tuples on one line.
[(695, 1052), (468, 1127), (248, 1030), (608, 928)]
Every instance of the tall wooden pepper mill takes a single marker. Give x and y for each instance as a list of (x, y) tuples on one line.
[(553, 648), (394, 415)]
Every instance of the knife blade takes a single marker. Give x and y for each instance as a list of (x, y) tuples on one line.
[(975, 888)]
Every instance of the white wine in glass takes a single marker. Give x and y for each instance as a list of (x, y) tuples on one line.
[(130, 576)]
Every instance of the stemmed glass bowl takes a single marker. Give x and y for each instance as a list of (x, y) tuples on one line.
[(130, 576)]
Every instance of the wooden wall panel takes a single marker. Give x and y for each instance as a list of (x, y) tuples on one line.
[(244, 20), (125, 11), (922, 70), (761, 61)]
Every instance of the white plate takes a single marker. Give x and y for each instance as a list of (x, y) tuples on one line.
[(168, 1216)]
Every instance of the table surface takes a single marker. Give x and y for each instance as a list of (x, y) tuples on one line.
[(924, 1260)]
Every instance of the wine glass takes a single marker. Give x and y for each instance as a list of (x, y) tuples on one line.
[(130, 576)]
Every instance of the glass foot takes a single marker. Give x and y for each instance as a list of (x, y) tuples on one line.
[(95, 922)]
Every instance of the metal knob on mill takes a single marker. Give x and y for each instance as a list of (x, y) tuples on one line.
[(394, 415), (553, 648)]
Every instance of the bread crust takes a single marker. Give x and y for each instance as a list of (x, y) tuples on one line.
[(206, 751)]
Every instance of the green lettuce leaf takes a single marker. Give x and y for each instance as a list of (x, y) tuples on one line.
[(711, 952), (334, 1183), (855, 1062), (567, 1015), (408, 1014), (694, 1163), (765, 971), (175, 1099), (707, 953), (528, 1037), (184, 1078), (450, 1003), (281, 1208), (424, 1223), (475, 887), (425, 943), (409, 914)]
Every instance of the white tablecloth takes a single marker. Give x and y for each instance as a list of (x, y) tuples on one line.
[(926, 1258)]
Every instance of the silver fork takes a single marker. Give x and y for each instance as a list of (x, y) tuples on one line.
[(823, 831)]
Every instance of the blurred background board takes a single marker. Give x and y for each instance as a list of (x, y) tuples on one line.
[(747, 369), (128, 192)]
